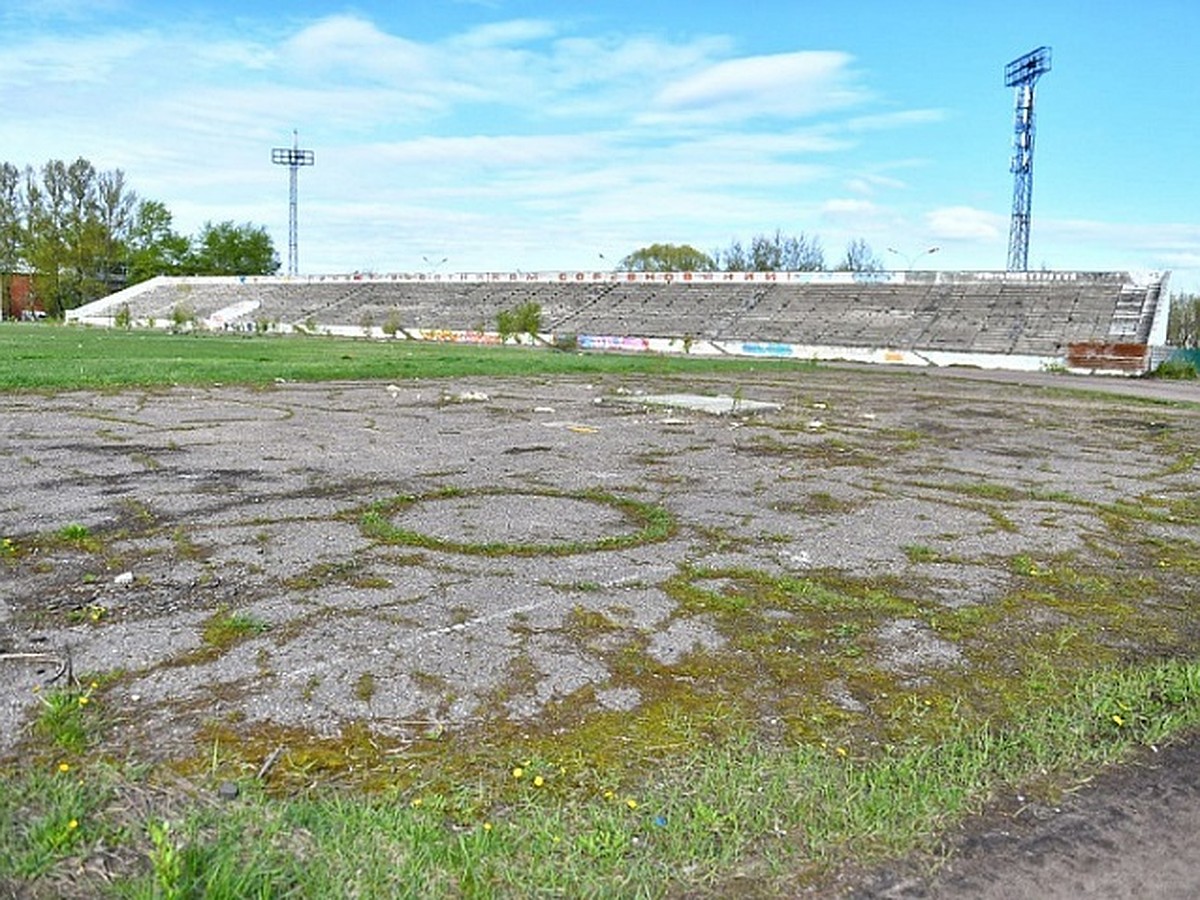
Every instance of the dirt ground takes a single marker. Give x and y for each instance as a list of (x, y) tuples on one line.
[(1130, 833), (433, 554)]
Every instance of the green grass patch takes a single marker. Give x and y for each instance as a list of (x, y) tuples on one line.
[(729, 815), (652, 523), (70, 357), (224, 629)]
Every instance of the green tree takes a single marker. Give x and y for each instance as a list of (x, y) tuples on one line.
[(228, 249), (667, 258), (73, 232), (1183, 325), (859, 258), (11, 202), (153, 247), (45, 232)]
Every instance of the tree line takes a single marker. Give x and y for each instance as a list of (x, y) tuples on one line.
[(764, 253), (82, 233)]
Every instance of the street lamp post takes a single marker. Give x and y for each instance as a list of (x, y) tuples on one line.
[(910, 261)]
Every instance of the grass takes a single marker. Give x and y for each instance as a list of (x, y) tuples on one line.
[(60, 357), (656, 524), (730, 816)]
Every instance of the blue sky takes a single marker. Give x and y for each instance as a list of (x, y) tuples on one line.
[(530, 134)]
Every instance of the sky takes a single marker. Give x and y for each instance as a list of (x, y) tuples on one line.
[(523, 135)]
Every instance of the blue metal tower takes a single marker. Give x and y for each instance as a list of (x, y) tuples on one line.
[(1022, 74)]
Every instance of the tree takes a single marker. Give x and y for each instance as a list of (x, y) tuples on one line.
[(774, 253), (1183, 325), (83, 233), (73, 231), (11, 202), (860, 258), (228, 249), (667, 258), (153, 247)]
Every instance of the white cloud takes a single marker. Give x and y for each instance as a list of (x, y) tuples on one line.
[(513, 31), (888, 121), (347, 45), (964, 223), (787, 85)]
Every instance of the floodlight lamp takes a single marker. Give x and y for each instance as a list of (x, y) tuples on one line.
[(1026, 69)]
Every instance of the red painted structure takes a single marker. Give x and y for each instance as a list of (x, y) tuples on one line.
[(18, 296)]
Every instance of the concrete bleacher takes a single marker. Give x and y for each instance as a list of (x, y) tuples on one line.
[(1036, 317)]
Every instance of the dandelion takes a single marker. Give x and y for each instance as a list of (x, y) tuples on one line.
[(539, 781), (415, 802), (842, 752), (1118, 719), (72, 825), (84, 700), (631, 803), (608, 795), (487, 826), (64, 767), (518, 772)]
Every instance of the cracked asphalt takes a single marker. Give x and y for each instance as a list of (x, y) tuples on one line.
[(514, 508)]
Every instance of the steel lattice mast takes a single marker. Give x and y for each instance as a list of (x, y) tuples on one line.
[(294, 158), (1022, 74)]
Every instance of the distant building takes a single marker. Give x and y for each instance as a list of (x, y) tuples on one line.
[(19, 300)]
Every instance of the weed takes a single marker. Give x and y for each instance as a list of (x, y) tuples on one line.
[(68, 718), (919, 553), (364, 687), (224, 629), (78, 536)]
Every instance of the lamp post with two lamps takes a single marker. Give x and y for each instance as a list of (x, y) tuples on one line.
[(910, 261)]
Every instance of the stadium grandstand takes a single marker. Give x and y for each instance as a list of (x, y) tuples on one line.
[(1108, 322)]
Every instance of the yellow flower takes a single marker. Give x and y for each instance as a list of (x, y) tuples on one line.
[(608, 795), (83, 701), (631, 803), (72, 825), (1118, 719), (518, 772), (415, 802), (487, 826), (539, 781), (841, 751), (64, 767)]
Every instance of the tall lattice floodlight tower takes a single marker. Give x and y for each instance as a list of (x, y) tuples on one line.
[(294, 158), (1023, 74)]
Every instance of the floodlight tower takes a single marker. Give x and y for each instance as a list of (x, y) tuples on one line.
[(294, 158), (1022, 74)]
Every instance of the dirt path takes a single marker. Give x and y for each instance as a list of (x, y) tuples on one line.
[(1130, 833)]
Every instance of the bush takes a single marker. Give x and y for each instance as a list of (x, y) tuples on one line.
[(391, 324), (1178, 368), (523, 319), (183, 317)]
